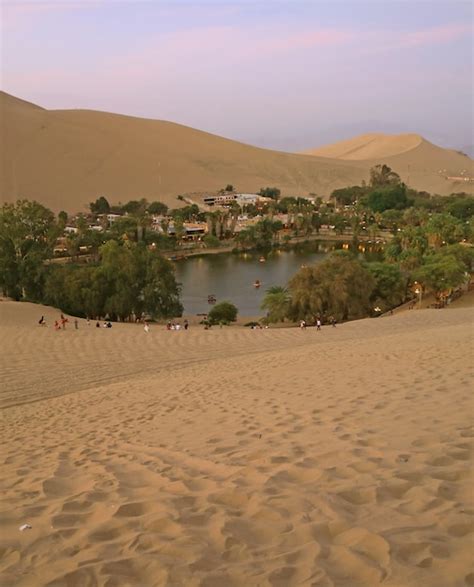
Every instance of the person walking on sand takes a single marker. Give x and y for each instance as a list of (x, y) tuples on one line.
[(186, 325), (333, 321), (146, 328), (76, 324), (318, 324)]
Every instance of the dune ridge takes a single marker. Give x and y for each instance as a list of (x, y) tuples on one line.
[(238, 457), (421, 164), (67, 158), (369, 146)]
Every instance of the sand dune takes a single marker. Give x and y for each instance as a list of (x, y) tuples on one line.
[(237, 457), (67, 158), (421, 164), (369, 146)]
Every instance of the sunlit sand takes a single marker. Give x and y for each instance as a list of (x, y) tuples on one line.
[(237, 457)]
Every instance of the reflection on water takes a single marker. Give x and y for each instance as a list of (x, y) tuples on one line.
[(232, 276)]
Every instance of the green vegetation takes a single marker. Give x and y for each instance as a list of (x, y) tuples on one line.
[(273, 193), (277, 304), (429, 241), (157, 208), (392, 197), (223, 313), (127, 278), (100, 206), (444, 270), (28, 232), (431, 245), (260, 235), (382, 176), (340, 286), (211, 241)]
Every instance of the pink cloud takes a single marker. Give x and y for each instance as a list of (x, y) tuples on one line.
[(435, 36)]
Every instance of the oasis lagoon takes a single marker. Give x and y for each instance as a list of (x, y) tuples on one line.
[(232, 276)]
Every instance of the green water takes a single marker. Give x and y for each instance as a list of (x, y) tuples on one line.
[(231, 276)]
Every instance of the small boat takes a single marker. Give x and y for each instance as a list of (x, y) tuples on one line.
[(257, 284), (262, 260)]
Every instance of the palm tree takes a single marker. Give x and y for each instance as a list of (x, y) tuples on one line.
[(276, 302)]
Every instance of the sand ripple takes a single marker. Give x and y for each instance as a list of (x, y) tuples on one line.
[(285, 459)]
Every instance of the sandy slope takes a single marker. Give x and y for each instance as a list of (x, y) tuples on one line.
[(369, 146), (421, 164), (236, 457), (66, 158)]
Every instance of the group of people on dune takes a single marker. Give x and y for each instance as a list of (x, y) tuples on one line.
[(318, 323)]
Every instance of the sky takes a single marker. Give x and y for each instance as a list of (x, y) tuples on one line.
[(286, 74)]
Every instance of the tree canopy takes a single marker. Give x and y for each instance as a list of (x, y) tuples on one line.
[(339, 286), (383, 176), (268, 192), (388, 197), (157, 208), (276, 303), (224, 312), (28, 231), (100, 206), (129, 279)]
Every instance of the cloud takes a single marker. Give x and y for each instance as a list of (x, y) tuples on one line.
[(434, 36)]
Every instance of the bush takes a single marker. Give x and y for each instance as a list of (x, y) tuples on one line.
[(223, 312), (211, 241)]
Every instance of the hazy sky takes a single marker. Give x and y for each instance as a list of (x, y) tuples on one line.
[(284, 74)]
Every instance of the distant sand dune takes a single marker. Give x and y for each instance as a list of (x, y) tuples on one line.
[(420, 164), (233, 457), (67, 158), (369, 146)]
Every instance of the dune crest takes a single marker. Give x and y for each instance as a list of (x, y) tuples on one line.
[(67, 158), (369, 146)]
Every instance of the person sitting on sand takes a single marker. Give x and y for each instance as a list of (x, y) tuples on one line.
[(97, 324), (42, 321)]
